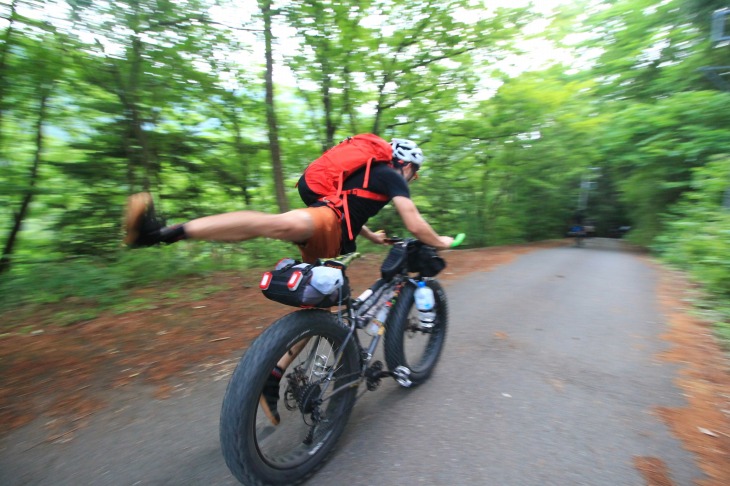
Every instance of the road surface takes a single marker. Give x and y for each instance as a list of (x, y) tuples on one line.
[(549, 377)]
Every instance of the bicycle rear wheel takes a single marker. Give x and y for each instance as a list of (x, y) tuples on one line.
[(409, 344), (312, 417)]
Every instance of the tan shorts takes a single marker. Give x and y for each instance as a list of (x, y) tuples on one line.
[(327, 239)]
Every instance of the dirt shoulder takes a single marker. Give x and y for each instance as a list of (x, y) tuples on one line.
[(703, 425), (61, 374)]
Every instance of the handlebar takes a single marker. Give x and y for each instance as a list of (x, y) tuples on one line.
[(458, 240)]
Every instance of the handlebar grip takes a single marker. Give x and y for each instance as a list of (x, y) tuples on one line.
[(458, 240)]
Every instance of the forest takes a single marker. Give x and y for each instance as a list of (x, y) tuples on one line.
[(526, 112)]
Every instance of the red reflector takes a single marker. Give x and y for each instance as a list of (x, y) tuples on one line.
[(265, 280), (294, 280)]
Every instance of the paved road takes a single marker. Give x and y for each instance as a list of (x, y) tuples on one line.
[(549, 377)]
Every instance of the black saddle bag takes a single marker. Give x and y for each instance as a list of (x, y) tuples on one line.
[(299, 284)]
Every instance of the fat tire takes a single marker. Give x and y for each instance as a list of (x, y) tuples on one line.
[(238, 412), (397, 329)]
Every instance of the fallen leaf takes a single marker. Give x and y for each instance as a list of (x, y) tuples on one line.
[(707, 432)]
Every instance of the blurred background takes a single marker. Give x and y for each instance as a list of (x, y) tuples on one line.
[(528, 114)]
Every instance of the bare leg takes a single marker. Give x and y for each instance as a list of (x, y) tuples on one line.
[(286, 360), (295, 226)]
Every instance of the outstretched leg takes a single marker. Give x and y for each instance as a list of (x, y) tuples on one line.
[(144, 228)]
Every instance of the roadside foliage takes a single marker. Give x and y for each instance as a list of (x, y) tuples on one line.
[(214, 106)]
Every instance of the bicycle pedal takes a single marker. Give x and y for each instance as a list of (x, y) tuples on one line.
[(402, 376)]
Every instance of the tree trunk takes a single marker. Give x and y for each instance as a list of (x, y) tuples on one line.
[(133, 114), (265, 6), (381, 100), (3, 63), (19, 217), (329, 124), (327, 102), (376, 121), (135, 141), (241, 152), (348, 107)]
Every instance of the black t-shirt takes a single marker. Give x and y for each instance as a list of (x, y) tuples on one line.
[(383, 180)]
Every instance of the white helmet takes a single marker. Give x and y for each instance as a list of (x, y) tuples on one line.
[(407, 151)]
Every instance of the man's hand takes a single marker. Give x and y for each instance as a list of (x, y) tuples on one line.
[(379, 237), (446, 242)]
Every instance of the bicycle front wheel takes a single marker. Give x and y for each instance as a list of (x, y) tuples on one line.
[(314, 400), (410, 344)]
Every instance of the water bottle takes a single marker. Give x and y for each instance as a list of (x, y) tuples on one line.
[(376, 323), (424, 304)]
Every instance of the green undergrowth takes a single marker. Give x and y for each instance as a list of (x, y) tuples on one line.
[(696, 239), (62, 293)]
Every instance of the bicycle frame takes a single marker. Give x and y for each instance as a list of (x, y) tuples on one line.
[(357, 311), (356, 314)]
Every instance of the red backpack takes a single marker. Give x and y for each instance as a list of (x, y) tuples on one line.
[(327, 174)]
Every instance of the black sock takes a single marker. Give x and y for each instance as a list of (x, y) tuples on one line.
[(171, 234)]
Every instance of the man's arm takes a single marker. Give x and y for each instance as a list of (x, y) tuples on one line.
[(418, 226), (377, 237)]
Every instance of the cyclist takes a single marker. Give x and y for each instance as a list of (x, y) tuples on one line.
[(318, 230), (577, 230)]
